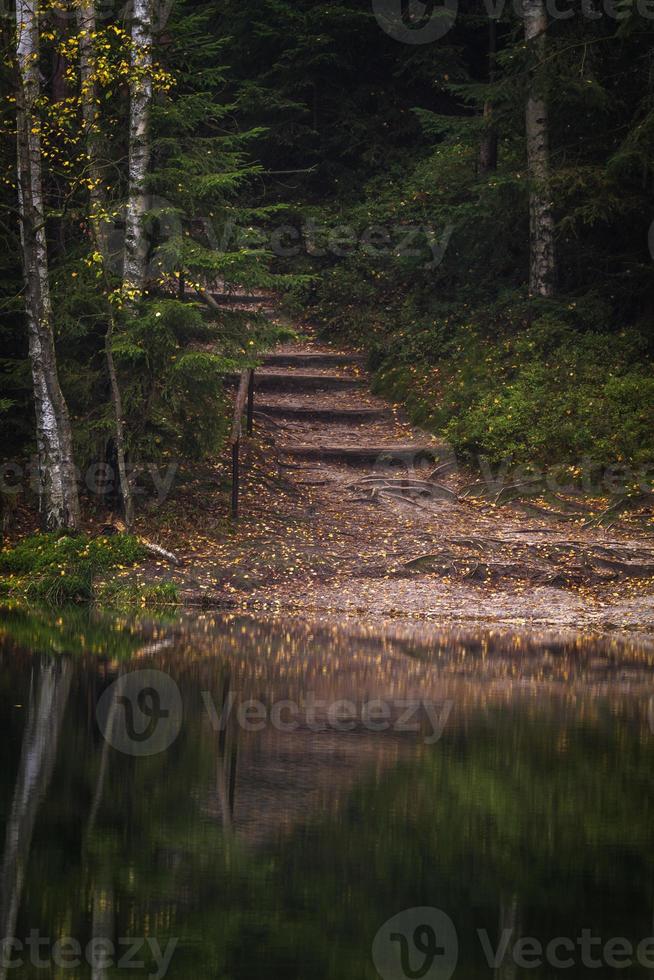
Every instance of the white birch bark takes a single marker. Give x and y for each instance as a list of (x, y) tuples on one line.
[(136, 248), (58, 498), (542, 264), (40, 741)]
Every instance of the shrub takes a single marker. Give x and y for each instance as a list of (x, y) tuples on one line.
[(64, 568)]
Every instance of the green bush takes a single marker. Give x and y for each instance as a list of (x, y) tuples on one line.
[(509, 380), (63, 568)]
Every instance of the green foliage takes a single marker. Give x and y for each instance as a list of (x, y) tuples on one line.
[(79, 630), (282, 112), (558, 401), (58, 569), (498, 808), (171, 356), (451, 329), (128, 595), (172, 380), (546, 392)]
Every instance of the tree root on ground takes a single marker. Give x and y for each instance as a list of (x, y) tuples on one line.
[(408, 489), (550, 563)]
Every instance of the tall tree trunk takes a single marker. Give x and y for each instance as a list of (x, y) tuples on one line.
[(100, 228), (509, 922), (103, 925), (60, 88), (58, 497), (136, 247), (488, 147), (542, 265), (40, 740), (86, 24)]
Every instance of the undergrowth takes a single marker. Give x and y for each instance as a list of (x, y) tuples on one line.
[(58, 569), (538, 384)]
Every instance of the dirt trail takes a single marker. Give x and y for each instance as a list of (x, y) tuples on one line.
[(346, 507)]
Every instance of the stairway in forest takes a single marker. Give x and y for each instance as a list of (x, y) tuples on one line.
[(320, 404), (357, 511)]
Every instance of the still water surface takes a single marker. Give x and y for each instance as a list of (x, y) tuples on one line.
[(311, 782)]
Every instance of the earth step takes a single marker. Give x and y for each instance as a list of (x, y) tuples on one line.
[(299, 382), (314, 360), (325, 414), (383, 456), (242, 298)]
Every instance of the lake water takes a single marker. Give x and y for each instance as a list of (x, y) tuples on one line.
[(239, 798)]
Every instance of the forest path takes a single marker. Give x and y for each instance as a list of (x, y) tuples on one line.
[(348, 508)]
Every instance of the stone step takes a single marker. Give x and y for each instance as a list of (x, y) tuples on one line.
[(299, 360), (298, 382), (381, 456), (325, 415)]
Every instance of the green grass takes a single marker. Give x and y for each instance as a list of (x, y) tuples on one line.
[(129, 594), (59, 569)]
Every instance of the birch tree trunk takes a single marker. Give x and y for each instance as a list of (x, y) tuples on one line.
[(58, 497), (86, 22), (47, 706), (136, 248), (542, 264)]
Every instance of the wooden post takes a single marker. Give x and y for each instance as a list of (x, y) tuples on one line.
[(235, 475), (250, 421), (244, 396)]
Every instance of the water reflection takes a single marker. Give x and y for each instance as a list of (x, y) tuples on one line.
[(243, 851)]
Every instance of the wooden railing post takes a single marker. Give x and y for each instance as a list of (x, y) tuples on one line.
[(244, 403), (235, 476), (250, 417)]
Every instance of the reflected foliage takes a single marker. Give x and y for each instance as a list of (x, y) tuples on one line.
[(283, 854)]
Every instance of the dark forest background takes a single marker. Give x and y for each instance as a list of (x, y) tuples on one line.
[(382, 189)]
